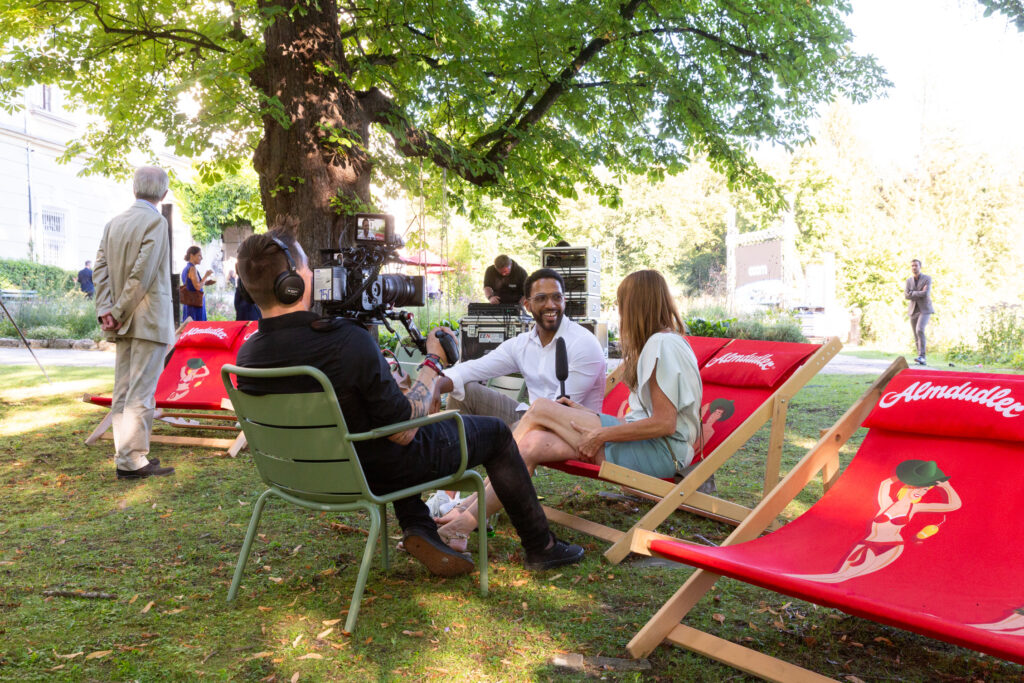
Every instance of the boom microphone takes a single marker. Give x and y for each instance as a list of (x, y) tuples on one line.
[(561, 365)]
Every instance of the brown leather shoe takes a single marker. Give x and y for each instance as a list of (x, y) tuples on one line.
[(435, 555), (152, 469)]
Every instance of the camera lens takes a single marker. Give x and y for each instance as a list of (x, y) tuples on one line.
[(402, 290)]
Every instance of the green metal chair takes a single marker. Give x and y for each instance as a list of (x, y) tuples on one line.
[(305, 453)]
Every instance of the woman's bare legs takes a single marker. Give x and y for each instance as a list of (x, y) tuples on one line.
[(536, 445), (550, 416)]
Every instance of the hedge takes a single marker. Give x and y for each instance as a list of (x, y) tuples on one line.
[(45, 280)]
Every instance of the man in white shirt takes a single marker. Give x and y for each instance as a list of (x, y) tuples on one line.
[(532, 354)]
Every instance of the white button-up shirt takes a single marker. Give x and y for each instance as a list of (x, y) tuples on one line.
[(524, 354)]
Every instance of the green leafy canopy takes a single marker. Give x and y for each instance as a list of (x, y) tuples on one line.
[(519, 100)]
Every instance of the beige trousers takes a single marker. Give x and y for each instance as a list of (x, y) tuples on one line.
[(136, 371), (481, 400)]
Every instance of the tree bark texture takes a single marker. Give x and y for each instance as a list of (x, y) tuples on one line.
[(307, 176)]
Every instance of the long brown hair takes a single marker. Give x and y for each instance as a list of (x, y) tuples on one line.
[(645, 307)]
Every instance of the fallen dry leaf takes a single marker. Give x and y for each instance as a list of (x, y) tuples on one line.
[(70, 656), (99, 654), (295, 677), (295, 643), (264, 609), (312, 655), (883, 639), (330, 622), (134, 598), (56, 668), (324, 634), (414, 634), (175, 611), (261, 655), (275, 579), (149, 606), (720, 618), (556, 577), (368, 640)]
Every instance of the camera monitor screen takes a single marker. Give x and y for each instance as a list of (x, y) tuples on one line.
[(373, 227)]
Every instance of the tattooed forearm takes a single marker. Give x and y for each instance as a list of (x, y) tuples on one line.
[(419, 399)]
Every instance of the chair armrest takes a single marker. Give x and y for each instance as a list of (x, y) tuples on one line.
[(397, 427)]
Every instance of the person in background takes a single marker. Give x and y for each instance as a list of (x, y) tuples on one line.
[(919, 293), (193, 283), (503, 282), (245, 307), (84, 280), (134, 308)]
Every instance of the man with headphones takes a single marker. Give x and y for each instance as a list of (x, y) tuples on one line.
[(277, 276)]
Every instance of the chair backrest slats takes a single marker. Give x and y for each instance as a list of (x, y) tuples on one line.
[(298, 440)]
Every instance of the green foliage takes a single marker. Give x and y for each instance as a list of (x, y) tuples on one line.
[(67, 317), (44, 280), (519, 101), (1001, 335), (961, 352), (699, 327), (216, 202)]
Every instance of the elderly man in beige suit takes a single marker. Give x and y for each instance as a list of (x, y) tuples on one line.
[(133, 304)]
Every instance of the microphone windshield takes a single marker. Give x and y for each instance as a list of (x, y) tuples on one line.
[(561, 361)]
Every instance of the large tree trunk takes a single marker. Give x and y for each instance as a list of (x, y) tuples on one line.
[(307, 180)]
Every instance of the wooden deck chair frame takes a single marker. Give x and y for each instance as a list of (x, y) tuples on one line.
[(185, 419), (684, 494), (665, 625), (321, 412)]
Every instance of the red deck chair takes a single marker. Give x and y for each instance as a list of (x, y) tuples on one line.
[(757, 379), (922, 506), (190, 381)]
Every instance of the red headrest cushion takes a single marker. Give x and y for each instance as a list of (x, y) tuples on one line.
[(750, 363), (963, 404), (211, 334), (705, 347)]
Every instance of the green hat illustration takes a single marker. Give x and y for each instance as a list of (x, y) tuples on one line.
[(195, 363), (920, 473), (725, 405)]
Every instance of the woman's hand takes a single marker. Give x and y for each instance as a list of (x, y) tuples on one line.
[(591, 442)]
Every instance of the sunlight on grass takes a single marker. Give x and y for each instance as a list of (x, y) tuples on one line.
[(73, 388), (24, 423)]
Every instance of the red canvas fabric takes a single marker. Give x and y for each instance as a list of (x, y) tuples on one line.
[(191, 378), (964, 404), (706, 347), (957, 576), (744, 400), (750, 363), (210, 334)]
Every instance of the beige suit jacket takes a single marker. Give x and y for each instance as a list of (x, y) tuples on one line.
[(132, 275), (919, 296)]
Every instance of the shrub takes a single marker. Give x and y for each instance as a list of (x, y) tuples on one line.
[(768, 326), (961, 352), (47, 281), (1001, 333), (72, 313)]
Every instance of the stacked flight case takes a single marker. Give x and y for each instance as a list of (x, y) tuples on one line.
[(580, 268), (488, 325)]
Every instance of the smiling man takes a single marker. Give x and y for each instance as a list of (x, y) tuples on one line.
[(532, 354)]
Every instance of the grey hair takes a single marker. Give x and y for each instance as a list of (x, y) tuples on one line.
[(151, 183)]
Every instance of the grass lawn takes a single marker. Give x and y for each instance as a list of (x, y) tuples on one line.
[(165, 549)]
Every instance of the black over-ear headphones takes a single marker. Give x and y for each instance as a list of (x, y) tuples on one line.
[(289, 285)]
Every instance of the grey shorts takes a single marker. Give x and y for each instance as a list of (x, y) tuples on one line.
[(650, 456)]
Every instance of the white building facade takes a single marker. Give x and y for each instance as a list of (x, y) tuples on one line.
[(50, 213)]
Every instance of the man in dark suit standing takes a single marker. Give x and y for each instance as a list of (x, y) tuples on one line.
[(919, 294), (85, 280)]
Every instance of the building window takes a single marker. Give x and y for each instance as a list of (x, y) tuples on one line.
[(54, 236), (47, 104)]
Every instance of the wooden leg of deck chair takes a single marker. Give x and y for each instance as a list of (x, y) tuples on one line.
[(671, 613), (778, 433), (742, 658), (238, 445), (101, 429), (605, 533), (830, 471), (701, 504)]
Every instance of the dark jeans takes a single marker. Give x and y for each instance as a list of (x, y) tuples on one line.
[(435, 453)]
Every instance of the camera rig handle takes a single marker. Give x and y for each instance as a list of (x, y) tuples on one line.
[(451, 350)]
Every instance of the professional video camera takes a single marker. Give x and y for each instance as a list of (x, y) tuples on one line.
[(351, 284)]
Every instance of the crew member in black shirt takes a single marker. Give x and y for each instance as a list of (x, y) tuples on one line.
[(290, 335), (503, 282)]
